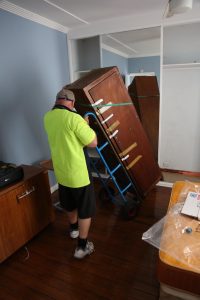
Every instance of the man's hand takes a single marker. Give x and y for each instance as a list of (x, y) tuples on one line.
[(86, 118)]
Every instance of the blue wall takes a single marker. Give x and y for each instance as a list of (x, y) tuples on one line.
[(132, 65), (34, 67), (112, 59), (147, 64)]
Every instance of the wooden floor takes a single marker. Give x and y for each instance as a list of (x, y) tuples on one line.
[(123, 267)]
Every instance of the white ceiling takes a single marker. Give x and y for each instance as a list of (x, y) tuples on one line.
[(134, 43), (75, 14)]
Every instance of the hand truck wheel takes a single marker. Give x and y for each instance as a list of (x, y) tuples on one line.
[(130, 209), (104, 195)]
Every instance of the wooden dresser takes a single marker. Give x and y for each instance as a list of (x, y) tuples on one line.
[(144, 93), (102, 92), (25, 209)]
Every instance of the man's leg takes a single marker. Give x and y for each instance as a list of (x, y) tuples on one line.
[(86, 209), (73, 216), (84, 247), (84, 226), (73, 221)]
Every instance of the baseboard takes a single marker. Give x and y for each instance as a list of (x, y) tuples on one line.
[(187, 173), (165, 184), (54, 188)]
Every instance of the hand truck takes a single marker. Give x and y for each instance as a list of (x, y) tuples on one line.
[(126, 196)]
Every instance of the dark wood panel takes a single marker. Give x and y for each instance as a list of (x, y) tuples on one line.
[(144, 93)]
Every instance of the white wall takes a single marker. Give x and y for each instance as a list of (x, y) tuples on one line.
[(179, 139), (180, 126)]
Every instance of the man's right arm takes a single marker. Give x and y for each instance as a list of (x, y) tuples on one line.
[(84, 132), (94, 143)]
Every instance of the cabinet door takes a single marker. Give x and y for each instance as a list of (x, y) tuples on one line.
[(35, 203), (13, 233), (24, 211)]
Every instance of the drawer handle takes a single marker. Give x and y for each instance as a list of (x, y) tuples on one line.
[(26, 193)]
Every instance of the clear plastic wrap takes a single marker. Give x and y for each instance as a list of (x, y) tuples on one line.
[(177, 236)]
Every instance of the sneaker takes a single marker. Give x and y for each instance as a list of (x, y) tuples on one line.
[(74, 233), (81, 253)]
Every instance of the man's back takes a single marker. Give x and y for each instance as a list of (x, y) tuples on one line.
[(67, 134)]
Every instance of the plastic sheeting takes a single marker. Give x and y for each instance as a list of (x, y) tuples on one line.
[(177, 236)]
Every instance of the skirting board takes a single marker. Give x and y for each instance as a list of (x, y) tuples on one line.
[(165, 184), (54, 188)]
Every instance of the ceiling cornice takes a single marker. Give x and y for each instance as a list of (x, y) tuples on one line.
[(66, 11), (17, 10), (110, 49)]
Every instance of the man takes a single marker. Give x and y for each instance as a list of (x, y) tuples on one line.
[(68, 134)]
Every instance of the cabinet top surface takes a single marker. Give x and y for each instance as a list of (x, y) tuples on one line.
[(29, 172)]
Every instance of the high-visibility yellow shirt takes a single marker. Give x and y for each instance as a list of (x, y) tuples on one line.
[(68, 133)]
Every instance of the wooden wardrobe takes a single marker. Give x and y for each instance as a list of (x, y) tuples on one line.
[(119, 124), (144, 93)]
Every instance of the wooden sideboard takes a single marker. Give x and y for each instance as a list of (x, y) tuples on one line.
[(25, 209)]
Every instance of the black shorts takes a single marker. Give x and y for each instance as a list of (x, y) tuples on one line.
[(82, 199)]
